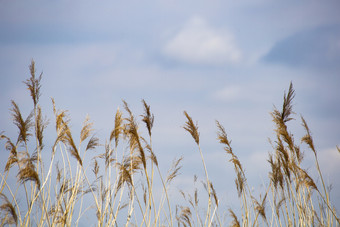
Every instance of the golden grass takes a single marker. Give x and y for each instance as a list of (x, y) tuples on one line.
[(57, 192)]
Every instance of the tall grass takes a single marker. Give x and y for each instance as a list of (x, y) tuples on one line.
[(114, 182)]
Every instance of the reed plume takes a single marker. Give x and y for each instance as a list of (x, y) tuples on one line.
[(148, 118), (24, 126), (64, 134), (33, 84), (7, 211)]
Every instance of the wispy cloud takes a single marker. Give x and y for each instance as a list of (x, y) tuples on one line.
[(198, 43), (228, 93), (330, 159)]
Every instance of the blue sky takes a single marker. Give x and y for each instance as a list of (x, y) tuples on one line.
[(224, 60)]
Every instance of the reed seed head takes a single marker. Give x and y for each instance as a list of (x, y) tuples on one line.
[(192, 128)]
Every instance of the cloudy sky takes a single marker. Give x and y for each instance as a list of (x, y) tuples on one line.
[(219, 60)]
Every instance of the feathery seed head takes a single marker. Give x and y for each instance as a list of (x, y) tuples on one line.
[(191, 128)]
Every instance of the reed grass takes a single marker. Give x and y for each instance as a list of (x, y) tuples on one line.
[(114, 182)]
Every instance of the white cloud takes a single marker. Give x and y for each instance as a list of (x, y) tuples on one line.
[(228, 93), (197, 43), (329, 160)]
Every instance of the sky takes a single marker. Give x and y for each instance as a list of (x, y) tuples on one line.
[(218, 60)]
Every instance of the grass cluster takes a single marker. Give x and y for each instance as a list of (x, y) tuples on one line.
[(114, 183)]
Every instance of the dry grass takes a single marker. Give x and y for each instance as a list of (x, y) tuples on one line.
[(117, 185)]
